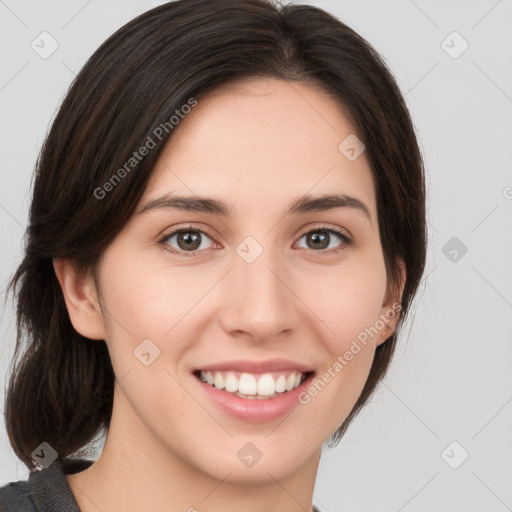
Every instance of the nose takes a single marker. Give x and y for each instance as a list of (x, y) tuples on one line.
[(258, 300)]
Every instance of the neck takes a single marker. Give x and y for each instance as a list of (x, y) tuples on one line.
[(136, 471)]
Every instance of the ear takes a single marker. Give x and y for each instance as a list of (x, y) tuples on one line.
[(390, 310), (81, 299)]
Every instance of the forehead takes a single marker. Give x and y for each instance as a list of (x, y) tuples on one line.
[(262, 141)]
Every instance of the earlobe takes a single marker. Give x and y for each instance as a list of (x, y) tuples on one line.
[(390, 311), (81, 299)]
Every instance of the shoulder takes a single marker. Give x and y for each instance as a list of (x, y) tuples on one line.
[(46, 490), (17, 496)]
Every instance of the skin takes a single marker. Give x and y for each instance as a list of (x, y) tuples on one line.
[(258, 146)]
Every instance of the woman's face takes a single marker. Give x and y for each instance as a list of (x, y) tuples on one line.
[(262, 285)]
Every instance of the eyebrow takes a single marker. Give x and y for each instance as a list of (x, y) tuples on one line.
[(303, 204)]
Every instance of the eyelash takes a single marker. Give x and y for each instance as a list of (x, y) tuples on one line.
[(347, 242)]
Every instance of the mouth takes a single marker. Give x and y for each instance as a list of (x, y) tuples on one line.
[(254, 391), (254, 386)]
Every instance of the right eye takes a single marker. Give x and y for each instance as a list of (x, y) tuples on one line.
[(189, 241)]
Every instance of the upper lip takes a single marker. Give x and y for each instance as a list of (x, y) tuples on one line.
[(271, 365)]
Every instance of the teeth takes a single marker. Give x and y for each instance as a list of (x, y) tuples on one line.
[(290, 381), (250, 386), (231, 382), (219, 381), (281, 384), (266, 385), (247, 384)]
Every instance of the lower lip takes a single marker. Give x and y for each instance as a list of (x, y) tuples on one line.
[(255, 410)]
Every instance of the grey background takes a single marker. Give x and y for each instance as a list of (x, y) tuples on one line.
[(450, 380)]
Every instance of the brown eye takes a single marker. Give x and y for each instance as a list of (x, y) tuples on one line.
[(186, 241), (320, 239), (189, 240)]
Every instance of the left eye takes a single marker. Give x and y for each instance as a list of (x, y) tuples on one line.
[(321, 237)]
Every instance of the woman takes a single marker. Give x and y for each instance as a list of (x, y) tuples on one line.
[(226, 233)]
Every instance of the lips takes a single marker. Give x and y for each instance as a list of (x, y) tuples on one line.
[(254, 408), (250, 379), (271, 365)]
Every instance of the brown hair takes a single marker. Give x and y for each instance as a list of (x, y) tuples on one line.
[(61, 385)]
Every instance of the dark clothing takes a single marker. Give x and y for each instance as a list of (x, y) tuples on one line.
[(46, 490)]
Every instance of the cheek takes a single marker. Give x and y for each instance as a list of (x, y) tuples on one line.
[(147, 299), (349, 303), (145, 309), (146, 302)]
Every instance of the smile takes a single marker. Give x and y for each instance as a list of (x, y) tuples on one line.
[(254, 386), (254, 391)]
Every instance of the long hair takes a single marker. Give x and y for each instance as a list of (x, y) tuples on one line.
[(61, 384)]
